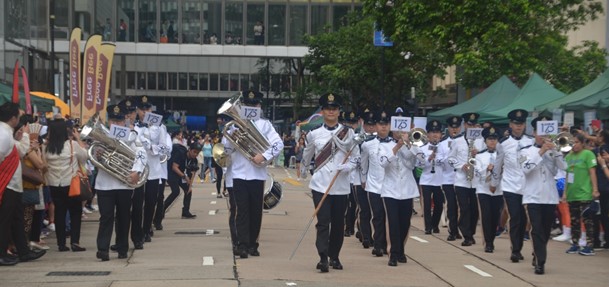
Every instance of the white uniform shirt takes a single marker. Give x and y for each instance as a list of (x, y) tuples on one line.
[(371, 167), (483, 159), (539, 171), (242, 167), (315, 141), (105, 181), (459, 155), (508, 156), (399, 182), (448, 172), (7, 143), (428, 178)]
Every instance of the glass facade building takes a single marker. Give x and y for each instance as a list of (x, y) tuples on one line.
[(177, 51)]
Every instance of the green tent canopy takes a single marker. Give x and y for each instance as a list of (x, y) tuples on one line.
[(534, 93), (599, 100), (42, 105), (172, 126), (499, 94), (600, 87)]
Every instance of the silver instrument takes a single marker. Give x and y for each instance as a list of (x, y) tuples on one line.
[(418, 137), (563, 142), (219, 154), (471, 161), (245, 136), (273, 193), (111, 155)]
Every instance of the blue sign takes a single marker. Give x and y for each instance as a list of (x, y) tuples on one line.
[(380, 40)]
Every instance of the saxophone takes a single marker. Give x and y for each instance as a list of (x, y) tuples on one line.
[(471, 161)]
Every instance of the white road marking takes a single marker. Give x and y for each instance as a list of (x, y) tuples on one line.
[(419, 239), (208, 261), (290, 283), (287, 172), (209, 232), (212, 212), (213, 202), (213, 193), (480, 272)]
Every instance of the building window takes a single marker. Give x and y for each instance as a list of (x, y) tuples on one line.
[(255, 24), (213, 82), (233, 26), (151, 81), (319, 18), (103, 20), (193, 80), (162, 81), (245, 82), (141, 80), (298, 24), (148, 24), (125, 23), (117, 80), (191, 22), (131, 80), (233, 83), (212, 15), (223, 82), (203, 82), (276, 25), (173, 81), (183, 81), (169, 21), (340, 16)]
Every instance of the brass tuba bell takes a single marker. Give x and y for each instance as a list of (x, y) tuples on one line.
[(418, 137), (563, 142)]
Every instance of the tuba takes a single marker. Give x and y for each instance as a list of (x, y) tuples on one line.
[(219, 154), (563, 142), (418, 137), (245, 136), (111, 155)]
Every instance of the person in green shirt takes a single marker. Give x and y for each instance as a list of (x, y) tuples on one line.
[(581, 189)]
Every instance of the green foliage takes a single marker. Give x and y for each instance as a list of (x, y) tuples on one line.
[(490, 38)]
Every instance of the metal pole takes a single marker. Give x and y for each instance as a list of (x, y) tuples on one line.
[(383, 75), (52, 29), (268, 85)]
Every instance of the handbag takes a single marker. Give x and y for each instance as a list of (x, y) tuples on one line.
[(30, 197), (31, 175), (79, 185)]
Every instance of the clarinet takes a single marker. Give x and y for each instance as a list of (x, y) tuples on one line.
[(433, 163)]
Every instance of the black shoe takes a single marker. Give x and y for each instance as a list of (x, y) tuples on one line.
[(243, 254), (63, 248), (458, 236), (348, 233), (189, 216), (113, 247), (122, 255), (428, 231), (436, 230), (358, 235), (402, 258), (236, 251), (158, 226), (103, 255), (335, 263), (473, 240), (488, 249), (254, 252), (534, 262), (392, 262), (451, 238), (138, 245), (606, 245), (151, 233), (77, 248), (516, 256), (323, 266), (539, 270), (8, 261), (466, 242), (377, 252), (366, 243), (147, 237), (32, 255)]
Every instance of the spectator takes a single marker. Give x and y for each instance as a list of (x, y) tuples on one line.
[(213, 40), (258, 33), (171, 34), (122, 31), (107, 35), (299, 148), (207, 159), (63, 157), (229, 38)]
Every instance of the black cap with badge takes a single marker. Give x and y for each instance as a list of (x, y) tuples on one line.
[(127, 106), (454, 122), (143, 103), (537, 119), (490, 132), (252, 98), (434, 126), (518, 116), (115, 112), (382, 118), (369, 118), (470, 118), (351, 117), (329, 100)]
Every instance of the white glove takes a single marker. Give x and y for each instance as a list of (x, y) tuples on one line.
[(344, 167)]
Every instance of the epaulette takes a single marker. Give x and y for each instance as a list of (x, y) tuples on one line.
[(525, 147), (504, 139)]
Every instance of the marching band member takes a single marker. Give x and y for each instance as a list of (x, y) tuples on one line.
[(540, 163), (338, 140), (491, 202), (248, 181), (114, 197), (431, 178), (461, 151), (398, 190), (513, 179), (448, 176), (365, 215), (375, 174)]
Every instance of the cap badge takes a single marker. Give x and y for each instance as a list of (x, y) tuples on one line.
[(383, 115), (455, 120), (366, 110), (117, 110), (330, 98), (352, 115), (251, 95), (472, 117), (435, 124), (128, 103), (492, 131), (518, 113), (144, 99)]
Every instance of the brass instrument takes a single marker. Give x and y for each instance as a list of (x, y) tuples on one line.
[(471, 161), (219, 154), (563, 142), (111, 155), (243, 134), (418, 137)]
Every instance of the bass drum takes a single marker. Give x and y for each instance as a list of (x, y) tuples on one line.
[(272, 193)]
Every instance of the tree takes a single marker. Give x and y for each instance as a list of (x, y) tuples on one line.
[(490, 38), (347, 62)]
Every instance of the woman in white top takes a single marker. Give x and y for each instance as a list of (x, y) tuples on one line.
[(63, 157)]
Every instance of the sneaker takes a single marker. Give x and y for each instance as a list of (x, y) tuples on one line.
[(556, 232), (86, 210), (587, 251), (51, 227), (45, 222), (562, 237), (573, 249)]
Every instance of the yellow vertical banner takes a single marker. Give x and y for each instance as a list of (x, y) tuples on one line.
[(89, 76), (104, 74), (75, 96)]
